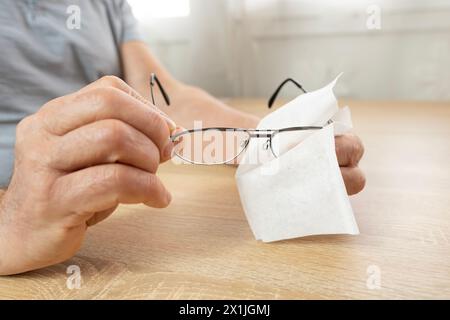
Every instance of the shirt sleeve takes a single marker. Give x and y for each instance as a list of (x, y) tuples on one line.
[(126, 24)]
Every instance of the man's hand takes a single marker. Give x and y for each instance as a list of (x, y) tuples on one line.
[(76, 160), (349, 150)]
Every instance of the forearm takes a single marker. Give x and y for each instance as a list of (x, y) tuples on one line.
[(188, 104), (193, 104)]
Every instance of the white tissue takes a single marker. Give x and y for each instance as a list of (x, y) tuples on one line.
[(301, 192)]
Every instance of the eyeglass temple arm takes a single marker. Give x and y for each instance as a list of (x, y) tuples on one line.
[(275, 94), (153, 79)]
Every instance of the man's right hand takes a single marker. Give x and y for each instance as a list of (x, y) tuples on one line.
[(76, 159)]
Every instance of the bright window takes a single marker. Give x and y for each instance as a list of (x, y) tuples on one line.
[(147, 9)]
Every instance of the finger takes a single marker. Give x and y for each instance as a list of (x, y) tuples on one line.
[(101, 104), (103, 142), (115, 82), (100, 216), (354, 179), (99, 188), (349, 150)]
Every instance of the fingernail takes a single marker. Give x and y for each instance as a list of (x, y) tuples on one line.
[(178, 130), (170, 122)]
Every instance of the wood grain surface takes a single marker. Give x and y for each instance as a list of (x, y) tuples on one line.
[(201, 247)]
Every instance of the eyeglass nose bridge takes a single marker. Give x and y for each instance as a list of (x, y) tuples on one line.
[(261, 133), (264, 134)]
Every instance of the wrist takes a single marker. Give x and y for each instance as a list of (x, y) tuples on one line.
[(3, 241), (9, 264)]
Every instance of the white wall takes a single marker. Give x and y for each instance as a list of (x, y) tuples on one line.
[(246, 47)]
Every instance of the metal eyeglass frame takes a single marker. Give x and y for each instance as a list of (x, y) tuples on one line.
[(252, 133)]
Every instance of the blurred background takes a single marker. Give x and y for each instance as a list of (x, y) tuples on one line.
[(388, 50)]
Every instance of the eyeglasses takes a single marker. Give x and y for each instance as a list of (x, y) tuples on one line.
[(275, 94), (214, 146), (154, 79)]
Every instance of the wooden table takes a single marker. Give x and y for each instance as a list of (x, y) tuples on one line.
[(201, 247)]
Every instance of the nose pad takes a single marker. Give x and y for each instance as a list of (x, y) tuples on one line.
[(244, 143), (266, 145)]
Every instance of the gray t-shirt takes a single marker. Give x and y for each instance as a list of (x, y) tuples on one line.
[(42, 55)]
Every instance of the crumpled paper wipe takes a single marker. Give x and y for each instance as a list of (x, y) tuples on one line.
[(301, 192)]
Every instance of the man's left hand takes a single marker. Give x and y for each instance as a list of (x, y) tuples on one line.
[(349, 150)]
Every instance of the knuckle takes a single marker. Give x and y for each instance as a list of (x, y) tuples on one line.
[(107, 95), (158, 192), (111, 81), (151, 182), (27, 132), (55, 103), (24, 125), (153, 158), (160, 126), (115, 134), (103, 98), (117, 177)]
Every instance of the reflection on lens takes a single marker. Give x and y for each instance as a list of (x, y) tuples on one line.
[(284, 141), (210, 146)]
